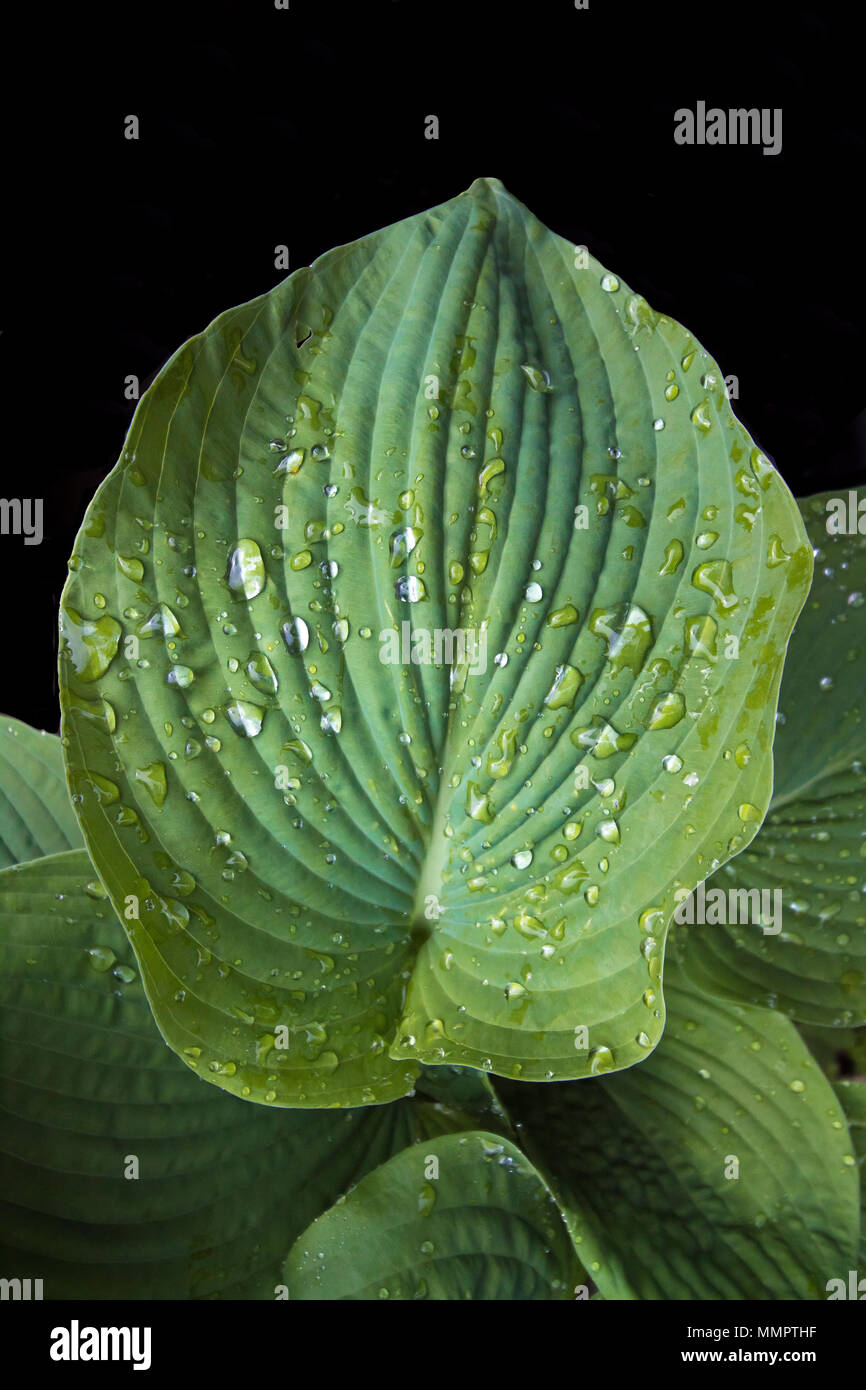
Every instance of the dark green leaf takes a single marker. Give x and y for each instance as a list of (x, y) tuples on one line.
[(486, 1227), (811, 850), (87, 1085), (720, 1169), (36, 815), (852, 1095)]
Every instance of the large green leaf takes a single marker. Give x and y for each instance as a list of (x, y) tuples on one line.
[(812, 846), (87, 1083), (852, 1096), (823, 716), (642, 1162), (486, 1227), (581, 498), (36, 815)]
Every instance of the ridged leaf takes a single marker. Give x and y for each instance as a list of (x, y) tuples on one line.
[(720, 1169), (36, 815), (485, 1228), (87, 1084), (812, 846), (852, 1096), (457, 425)]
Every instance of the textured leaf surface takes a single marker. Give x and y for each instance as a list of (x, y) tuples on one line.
[(86, 1082), (486, 1228), (639, 1161), (812, 846), (466, 1090), (404, 861), (36, 815), (852, 1096)]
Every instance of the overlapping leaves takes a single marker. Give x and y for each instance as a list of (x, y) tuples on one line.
[(722, 1168), (810, 852), (36, 815), (486, 1224), (852, 1097), (123, 1176)]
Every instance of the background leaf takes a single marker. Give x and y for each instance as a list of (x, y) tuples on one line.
[(466, 1090), (86, 1081), (852, 1095), (36, 815), (486, 1228), (638, 1161), (812, 845), (465, 428)]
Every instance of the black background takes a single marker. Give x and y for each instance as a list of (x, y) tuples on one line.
[(306, 127)]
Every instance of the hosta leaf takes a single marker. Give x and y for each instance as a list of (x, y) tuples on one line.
[(36, 815), (821, 730), (486, 1228), (467, 1091), (811, 849), (720, 1169), (852, 1096), (411, 861), (87, 1083)]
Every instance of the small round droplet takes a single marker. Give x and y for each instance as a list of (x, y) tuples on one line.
[(102, 958)]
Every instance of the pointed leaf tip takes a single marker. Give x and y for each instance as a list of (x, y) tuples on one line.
[(495, 185)]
